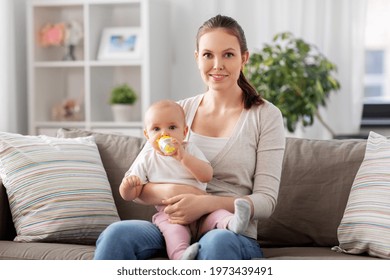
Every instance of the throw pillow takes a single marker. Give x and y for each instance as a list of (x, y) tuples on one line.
[(117, 151), (365, 226), (57, 188)]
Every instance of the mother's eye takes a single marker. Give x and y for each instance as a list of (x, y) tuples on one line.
[(228, 55)]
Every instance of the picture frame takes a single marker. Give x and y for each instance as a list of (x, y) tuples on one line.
[(120, 43)]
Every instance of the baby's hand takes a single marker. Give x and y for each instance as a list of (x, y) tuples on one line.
[(180, 151), (130, 187), (131, 181)]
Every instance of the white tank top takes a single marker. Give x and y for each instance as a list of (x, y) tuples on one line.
[(210, 146)]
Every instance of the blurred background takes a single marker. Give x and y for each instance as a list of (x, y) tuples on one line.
[(353, 34)]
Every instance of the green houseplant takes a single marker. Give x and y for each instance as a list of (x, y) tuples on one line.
[(123, 94), (121, 99), (295, 77)]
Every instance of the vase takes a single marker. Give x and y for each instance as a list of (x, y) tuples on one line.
[(122, 112)]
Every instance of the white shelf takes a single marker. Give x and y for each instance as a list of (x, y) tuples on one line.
[(53, 64), (88, 80), (136, 62)]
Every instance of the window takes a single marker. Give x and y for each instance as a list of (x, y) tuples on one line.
[(376, 109), (374, 80)]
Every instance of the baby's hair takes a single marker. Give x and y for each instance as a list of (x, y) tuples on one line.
[(166, 103)]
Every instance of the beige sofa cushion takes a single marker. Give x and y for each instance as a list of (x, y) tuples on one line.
[(117, 153), (316, 181)]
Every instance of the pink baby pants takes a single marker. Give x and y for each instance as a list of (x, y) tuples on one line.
[(178, 237)]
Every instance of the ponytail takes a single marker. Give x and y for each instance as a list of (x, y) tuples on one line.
[(250, 95)]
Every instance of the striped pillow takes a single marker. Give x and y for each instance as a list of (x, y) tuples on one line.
[(57, 188), (365, 226)]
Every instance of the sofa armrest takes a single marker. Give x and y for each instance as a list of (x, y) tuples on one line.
[(7, 229)]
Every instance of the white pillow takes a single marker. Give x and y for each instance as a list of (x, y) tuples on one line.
[(365, 226), (57, 188)]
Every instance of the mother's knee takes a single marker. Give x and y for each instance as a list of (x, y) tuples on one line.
[(218, 237), (219, 244)]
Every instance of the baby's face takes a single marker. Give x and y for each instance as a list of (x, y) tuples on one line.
[(164, 122)]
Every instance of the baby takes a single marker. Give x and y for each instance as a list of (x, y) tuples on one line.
[(169, 159)]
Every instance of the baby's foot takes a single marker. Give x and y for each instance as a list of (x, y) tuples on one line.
[(191, 252), (242, 211)]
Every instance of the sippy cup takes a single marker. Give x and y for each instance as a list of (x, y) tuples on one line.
[(164, 143)]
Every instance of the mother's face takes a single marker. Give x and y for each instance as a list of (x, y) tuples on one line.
[(219, 59)]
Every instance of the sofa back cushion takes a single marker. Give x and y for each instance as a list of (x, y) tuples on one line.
[(316, 181), (117, 153)]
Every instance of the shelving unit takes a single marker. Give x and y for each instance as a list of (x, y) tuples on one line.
[(87, 79)]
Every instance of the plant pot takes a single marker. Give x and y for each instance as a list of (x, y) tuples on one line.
[(122, 112)]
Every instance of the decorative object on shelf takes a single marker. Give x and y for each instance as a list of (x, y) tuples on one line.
[(122, 99), (52, 35), (68, 110), (61, 34), (73, 36), (120, 43), (295, 77)]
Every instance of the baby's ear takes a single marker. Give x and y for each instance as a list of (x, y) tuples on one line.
[(146, 134), (185, 130)]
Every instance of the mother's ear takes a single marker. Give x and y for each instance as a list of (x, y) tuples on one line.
[(196, 55), (245, 58)]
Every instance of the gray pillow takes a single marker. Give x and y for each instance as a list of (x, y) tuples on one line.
[(117, 153)]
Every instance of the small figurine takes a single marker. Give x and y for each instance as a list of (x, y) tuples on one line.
[(68, 110), (73, 36)]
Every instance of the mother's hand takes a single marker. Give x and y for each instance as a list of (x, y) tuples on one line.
[(154, 193), (186, 208)]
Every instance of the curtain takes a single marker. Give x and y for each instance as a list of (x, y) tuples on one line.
[(336, 27), (13, 66), (5, 84)]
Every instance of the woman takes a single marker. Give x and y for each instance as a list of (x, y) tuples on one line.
[(241, 135)]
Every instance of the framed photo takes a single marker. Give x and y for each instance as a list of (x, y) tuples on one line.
[(120, 43)]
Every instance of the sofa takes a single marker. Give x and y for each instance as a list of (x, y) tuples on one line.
[(315, 184)]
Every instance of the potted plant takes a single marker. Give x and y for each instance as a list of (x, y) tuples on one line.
[(295, 77), (122, 98)]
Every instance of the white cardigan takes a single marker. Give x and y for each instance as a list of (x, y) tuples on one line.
[(250, 164)]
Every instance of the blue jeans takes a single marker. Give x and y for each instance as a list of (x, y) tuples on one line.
[(141, 240)]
